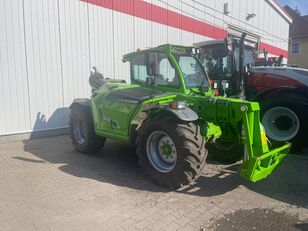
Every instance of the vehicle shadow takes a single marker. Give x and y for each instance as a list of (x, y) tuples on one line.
[(57, 119), (117, 164), (288, 183)]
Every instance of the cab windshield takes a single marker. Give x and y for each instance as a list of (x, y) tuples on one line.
[(220, 64), (193, 74), (217, 61)]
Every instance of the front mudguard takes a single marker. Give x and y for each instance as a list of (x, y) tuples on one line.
[(186, 114)]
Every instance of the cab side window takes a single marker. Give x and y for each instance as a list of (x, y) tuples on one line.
[(139, 69), (187, 65), (167, 74)]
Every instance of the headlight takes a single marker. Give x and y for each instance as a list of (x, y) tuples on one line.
[(178, 105), (181, 105)]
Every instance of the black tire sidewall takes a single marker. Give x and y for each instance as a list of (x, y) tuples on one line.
[(182, 167), (180, 153), (80, 115), (92, 142)]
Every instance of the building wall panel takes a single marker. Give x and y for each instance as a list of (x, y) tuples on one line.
[(101, 40), (44, 64), (123, 43), (160, 33), (48, 47), (174, 34), (74, 33), (142, 29), (14, 101)]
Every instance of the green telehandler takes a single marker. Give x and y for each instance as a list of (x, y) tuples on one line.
[(169, 110)]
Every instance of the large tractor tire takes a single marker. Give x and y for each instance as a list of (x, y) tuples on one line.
[(229, 150), (82, 131), (283, 117), (171, 152)]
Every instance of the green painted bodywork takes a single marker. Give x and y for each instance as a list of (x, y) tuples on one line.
[(217, 115), (114, 118)]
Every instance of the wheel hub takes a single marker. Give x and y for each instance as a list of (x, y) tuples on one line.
[(161, 151), (283, 122), (167, 149), (79, 131)]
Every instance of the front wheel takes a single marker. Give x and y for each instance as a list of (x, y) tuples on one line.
[(171, 152)]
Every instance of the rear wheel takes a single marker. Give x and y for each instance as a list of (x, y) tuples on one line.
[(82, 131), (171, 152), (283, 119), (226, 149)]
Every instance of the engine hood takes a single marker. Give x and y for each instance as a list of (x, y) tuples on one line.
[(296, 74), (131, 93)]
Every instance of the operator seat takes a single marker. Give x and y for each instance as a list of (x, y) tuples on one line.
[(96, 79)]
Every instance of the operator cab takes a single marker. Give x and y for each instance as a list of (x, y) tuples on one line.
[(168, 67)]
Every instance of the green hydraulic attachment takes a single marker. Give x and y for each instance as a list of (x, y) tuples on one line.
[(258, 161)]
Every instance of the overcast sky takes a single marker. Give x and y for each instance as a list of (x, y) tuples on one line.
[(302, 5)]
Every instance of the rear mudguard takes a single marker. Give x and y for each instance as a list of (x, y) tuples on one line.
[(81, 102)]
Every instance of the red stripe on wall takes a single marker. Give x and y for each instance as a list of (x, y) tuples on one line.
[(273, 50), (151, 12)]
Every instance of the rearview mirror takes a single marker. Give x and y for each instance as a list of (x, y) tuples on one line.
[(225, 84), (246, 69), (152, 64), (215, 85)]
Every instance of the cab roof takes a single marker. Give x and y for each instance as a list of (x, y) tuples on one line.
[(166, 48), (210, 42)]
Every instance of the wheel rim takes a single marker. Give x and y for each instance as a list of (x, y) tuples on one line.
[(79, 131), (161, 151), (281, 123)]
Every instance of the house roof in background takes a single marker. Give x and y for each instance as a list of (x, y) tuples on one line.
[(305, 17), (299, 27)]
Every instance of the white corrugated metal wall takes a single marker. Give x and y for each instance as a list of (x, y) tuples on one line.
[(47, 48)]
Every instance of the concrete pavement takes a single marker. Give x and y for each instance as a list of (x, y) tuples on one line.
[(46, 185)]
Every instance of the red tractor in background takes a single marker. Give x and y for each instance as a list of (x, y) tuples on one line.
[(282, 92)]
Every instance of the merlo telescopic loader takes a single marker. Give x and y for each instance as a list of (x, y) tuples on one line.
[(170, 112)]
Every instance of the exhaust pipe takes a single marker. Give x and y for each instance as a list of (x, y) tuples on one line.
[(241, 68)]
